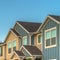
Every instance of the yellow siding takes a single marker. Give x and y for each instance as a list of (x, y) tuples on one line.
[(11, 37), (36, 44), (15, 57), (3, 55)]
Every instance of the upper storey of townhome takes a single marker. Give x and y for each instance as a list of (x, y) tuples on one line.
[(51, 37)]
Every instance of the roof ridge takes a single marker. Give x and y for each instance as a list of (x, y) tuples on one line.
[(55, 15), (29, 22)]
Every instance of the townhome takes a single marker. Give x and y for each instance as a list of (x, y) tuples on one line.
[(51, 37), (21, 42), (28, 31), (33, 41)]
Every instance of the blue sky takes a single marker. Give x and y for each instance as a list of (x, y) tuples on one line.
[(25, 10)]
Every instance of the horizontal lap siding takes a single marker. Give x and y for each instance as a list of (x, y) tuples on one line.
[(50, 53)]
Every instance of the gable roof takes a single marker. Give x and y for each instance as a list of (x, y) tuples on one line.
[(14, 31), (30, 26), (33, 50), (19, 53), (52, 17), (55, 17)]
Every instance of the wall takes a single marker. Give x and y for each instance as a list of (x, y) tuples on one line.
[(50, 53), (11, 37), (22, 32)]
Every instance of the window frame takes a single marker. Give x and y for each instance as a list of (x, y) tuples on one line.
[(23, 39), (14, 47), (50, 38), (37, 39), (9, 49)]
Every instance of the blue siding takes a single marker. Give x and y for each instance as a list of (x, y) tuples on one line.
[(22, 32), (51, 53), (59, 41)]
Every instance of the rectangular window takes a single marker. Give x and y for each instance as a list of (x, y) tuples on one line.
[(1, 51), (14, 45), (53, 36), (39, 39), (9, 47), (50, 37), (25, 40)]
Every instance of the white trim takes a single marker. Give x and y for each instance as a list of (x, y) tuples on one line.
[(29, 57), (14, 33), (30, 39), (50, 39), (52, 59), (10, 31), (54, 19), (26, 50), (46, 20), (22, 27), (16, 54), (42, 24), (37, 39), (50, 29)]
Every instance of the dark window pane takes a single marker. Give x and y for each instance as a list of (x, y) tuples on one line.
[(9, 50), (39, 39), (48, 42), (14, 48), (1, 51), (53, 41)]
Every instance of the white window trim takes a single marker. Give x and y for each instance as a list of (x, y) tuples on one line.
[(23, 38), (50, 40), (37, 39), (52, 59)]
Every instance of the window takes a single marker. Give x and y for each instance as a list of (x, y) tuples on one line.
[(50, 37), (0, 51), (39, 39), (25, 40), (9, 47), (14, 45)]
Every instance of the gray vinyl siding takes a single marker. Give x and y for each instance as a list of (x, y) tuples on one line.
[(51, 53), (23, 33)]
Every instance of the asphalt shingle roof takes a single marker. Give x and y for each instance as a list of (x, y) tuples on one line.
[(19, 53), (55, 17), (33, 50), (15, 32), (30, 26)]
